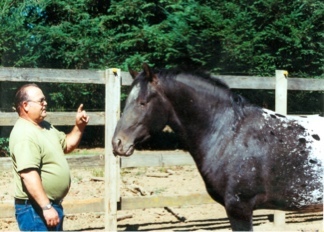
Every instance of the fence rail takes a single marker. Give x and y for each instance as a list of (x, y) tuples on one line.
[(98, 77), (112, 79), (139, 159), (56, 118)]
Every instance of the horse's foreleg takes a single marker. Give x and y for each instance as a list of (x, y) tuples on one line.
[(240, 216), (238, 224)]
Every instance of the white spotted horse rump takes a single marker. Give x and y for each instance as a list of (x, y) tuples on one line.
[(306, 146), (312, 130)]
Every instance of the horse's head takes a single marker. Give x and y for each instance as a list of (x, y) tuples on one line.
[(145, 112)]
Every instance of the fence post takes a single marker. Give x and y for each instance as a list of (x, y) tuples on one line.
[(281, 108), (112, 112), (281, 91)]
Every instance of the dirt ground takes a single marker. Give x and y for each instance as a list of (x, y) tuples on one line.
[(161, 181)]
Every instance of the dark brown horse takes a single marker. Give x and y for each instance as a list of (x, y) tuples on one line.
[(250, 158)]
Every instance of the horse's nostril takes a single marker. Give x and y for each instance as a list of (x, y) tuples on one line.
[(116, 143)]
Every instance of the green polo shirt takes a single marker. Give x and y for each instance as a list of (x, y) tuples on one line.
[(43, 150)]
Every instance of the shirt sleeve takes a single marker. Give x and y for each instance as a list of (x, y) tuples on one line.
[(27, 155), (62, 137)]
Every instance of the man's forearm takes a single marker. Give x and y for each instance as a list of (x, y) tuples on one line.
[(73, 138), (33, 184)]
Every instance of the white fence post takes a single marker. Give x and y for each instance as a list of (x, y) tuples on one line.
[(112, 112), (281, 108), (281, 91)]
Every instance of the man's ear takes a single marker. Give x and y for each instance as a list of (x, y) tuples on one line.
[(25, 106)]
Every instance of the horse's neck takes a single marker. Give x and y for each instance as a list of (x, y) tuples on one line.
[(196, 115)]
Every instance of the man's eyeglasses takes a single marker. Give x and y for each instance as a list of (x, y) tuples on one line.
[(41, 101)]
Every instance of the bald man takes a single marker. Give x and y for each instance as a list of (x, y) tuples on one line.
[(41, 172)]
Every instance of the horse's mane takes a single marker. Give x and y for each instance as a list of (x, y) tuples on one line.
[(197, 74), (206, 79)]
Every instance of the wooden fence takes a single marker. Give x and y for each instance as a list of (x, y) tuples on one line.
[(113, 79)]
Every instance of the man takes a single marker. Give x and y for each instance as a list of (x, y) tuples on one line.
[(41, 172)]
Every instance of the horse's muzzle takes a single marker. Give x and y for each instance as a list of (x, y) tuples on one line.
[(122, 149)]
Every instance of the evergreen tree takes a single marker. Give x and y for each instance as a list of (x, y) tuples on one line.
[(226, 37)]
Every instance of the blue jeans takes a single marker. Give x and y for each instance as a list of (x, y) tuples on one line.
[(30, 218)]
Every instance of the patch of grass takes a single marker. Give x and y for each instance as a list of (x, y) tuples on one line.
[(77, 179), (162, 169), (159, 191), (141, 171), (98, 172)]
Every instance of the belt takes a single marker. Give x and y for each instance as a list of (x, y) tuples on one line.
[(28, 202)]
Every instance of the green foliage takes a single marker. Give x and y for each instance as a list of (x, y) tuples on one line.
[(20, 45), (7, 94), (252, 37), (235, 36), (4, 147), (68, 97), (261, 36)]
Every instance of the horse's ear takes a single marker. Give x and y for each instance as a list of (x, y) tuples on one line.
[(149, 74), (132, 72)]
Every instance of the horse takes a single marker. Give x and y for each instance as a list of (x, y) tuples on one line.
[(249, 157)]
